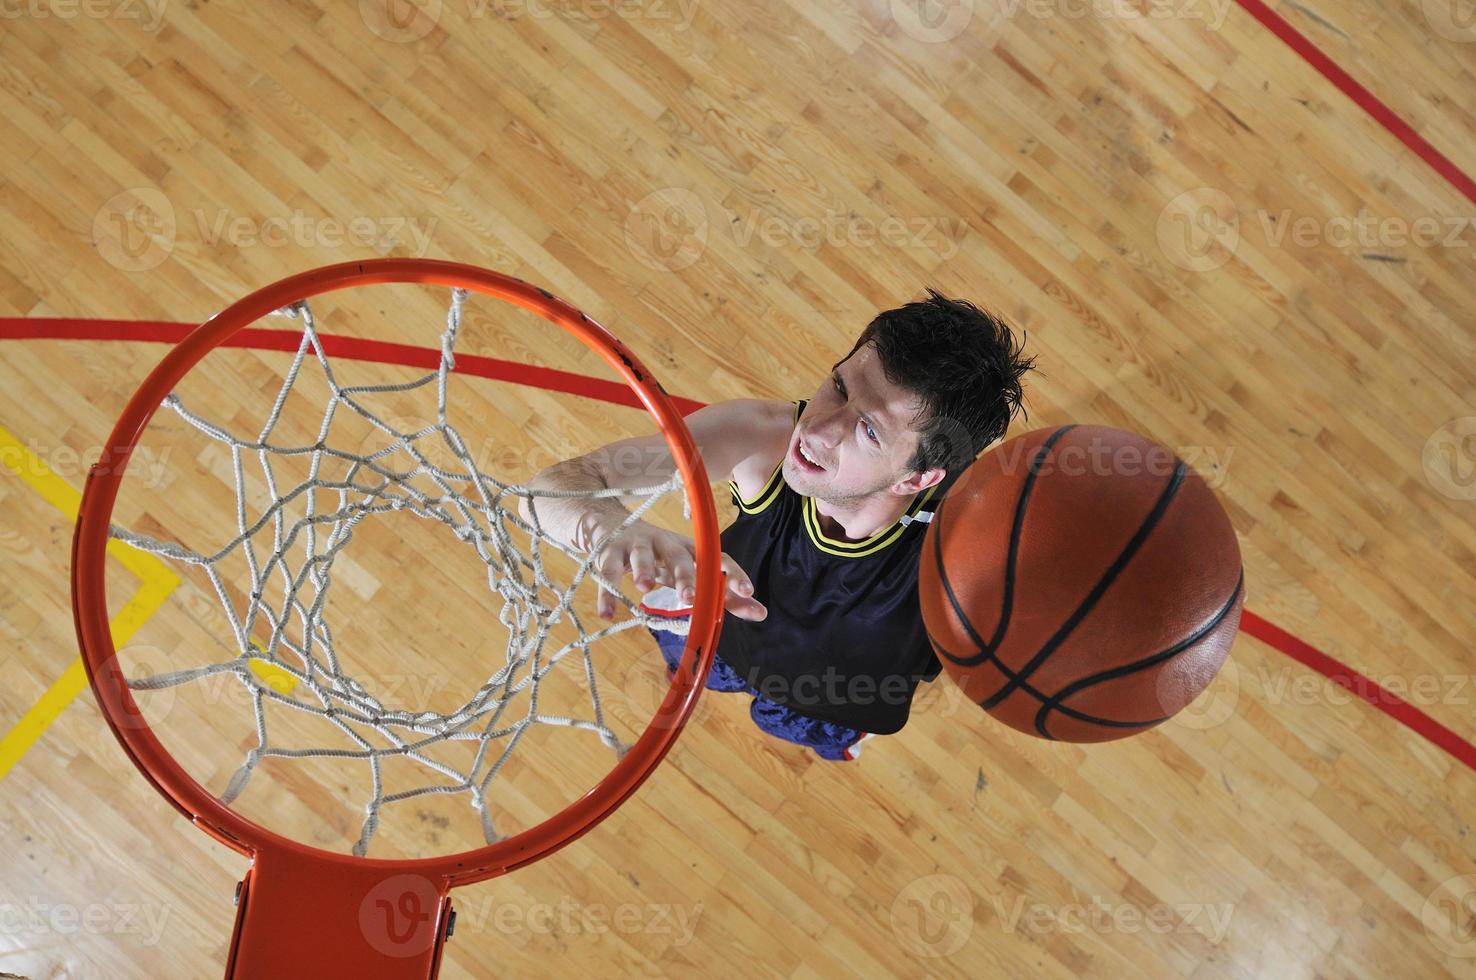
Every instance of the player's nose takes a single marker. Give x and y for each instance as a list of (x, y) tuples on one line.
[(828, 431)]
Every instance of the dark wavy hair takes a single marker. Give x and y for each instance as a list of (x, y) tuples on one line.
[(963, 363)]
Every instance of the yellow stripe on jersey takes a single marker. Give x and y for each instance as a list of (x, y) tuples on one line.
[(867, 546), (772, 486)]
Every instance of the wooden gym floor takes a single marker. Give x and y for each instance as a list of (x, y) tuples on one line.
[(1245, 231)]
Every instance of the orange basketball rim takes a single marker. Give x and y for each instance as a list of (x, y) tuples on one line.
[(307, 912)]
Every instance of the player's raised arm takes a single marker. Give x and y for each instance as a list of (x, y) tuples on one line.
[(727, 434)]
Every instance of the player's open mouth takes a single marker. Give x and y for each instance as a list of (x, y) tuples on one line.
[(802, 459)]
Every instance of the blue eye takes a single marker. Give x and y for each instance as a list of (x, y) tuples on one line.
[(871, 434)]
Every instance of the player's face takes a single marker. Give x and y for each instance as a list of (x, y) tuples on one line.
[(857, 428)]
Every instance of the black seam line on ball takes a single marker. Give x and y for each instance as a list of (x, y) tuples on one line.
[(1024, 685), (986, 650), (1054, 704), (1171, 488)]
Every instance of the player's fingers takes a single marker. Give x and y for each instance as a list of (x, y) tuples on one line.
[(683, 569), (739, 599), (745, 608), (643, 566), (738, 579), (611, 567)]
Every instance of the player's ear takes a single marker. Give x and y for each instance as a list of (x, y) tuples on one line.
[(919, 480)]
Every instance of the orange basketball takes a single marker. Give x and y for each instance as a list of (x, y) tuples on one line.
[(1081, 583)]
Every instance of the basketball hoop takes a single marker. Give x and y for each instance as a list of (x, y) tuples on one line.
[(304, 911)]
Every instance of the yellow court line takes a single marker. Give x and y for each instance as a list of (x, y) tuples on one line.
[(156, 582)]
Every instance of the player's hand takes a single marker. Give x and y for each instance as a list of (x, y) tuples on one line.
[(654, 556)]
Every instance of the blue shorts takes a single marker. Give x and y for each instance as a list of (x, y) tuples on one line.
[(829, 740)]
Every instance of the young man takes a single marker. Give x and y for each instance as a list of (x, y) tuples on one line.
[(834, 493)]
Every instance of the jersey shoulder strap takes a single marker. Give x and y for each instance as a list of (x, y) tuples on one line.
[(769, 492)]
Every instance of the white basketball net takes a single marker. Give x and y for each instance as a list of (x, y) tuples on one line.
[(307, 527)]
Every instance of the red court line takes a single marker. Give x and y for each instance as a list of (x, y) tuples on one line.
[(1365, 99), (12, 328), (353, 348), (1386, 701)]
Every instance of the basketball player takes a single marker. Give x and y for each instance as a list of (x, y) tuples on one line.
[(834, 492)]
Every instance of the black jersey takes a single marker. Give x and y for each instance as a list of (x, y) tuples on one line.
[(844, 639)]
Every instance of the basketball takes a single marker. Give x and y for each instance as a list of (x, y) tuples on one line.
[(1081, 583)]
